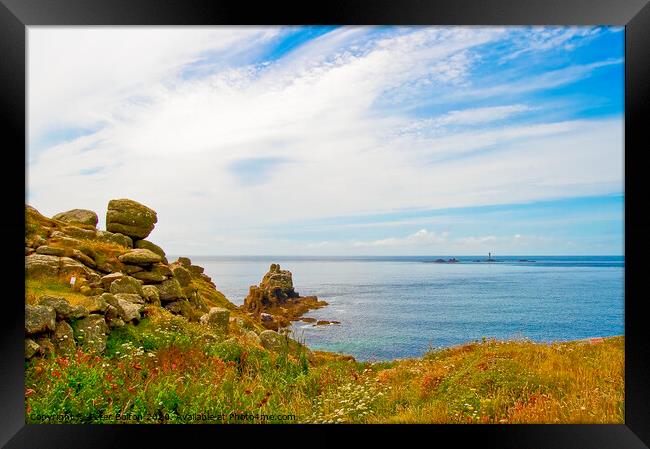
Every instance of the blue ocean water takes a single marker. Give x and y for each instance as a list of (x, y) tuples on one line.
[(398, 307)]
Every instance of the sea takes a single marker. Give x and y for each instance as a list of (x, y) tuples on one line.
[(402, 307)]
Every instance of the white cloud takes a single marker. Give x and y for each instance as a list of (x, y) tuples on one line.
[(80, 76), (547, 38), (547, 80), (175, 150), (463, 117), (419, 238), (481, 115)]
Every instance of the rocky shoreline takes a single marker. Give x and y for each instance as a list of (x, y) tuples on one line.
[(100, 280)]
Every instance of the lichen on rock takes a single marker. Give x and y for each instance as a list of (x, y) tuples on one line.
[(130, 218), (81, 216)]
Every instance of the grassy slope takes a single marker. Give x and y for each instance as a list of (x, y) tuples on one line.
[(168, 367)]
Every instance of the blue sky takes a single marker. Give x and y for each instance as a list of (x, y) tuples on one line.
[(337, 140)]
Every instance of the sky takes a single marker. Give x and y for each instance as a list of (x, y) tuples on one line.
[(336, 140)]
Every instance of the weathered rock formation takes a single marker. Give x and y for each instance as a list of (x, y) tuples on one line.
[(130, 218), (140, 257), (146, 244), (121, 284), (218, 318), (79, 216), (275, 302)]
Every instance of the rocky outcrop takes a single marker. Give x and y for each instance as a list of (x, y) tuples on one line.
[(146, 244), (155, 274), (50, 251), (91, 333), (279, 281), (141, 256), (128, 307), (39, 319), (274, 290), (39, 265), (61, 307), (109, 278), (195, 269), (183, 308), (122, 284), (63, 339), (126, 284), (149, 277), (326, 322), (130, 218), (80, 216), (217, 317), (275, 303), (151, 294), (31, 348), (115, 237), (72, 267), (182, 275), (170, 290), (185, 261)]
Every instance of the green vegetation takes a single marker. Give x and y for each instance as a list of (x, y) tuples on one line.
[(167, 369), (35, 288)]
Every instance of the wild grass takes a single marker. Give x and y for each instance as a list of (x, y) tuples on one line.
[(509, 382), (60, 286), (166, 369), (158, 369)]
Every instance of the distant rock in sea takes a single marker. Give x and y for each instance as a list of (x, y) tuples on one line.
[(452, 260), (275, 303)]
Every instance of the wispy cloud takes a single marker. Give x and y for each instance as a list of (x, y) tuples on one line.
[(421, 237), (352, 121), (540, 39)]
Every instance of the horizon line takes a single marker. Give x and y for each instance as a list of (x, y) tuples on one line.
[(398, 255)]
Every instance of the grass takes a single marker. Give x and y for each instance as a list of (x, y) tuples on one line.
[(37, 287), (168, 369), (159, 369), (509, 382)]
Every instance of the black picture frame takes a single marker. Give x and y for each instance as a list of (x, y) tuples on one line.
[(16, 15)]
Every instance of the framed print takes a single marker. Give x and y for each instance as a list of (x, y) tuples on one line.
[(371, 216)]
